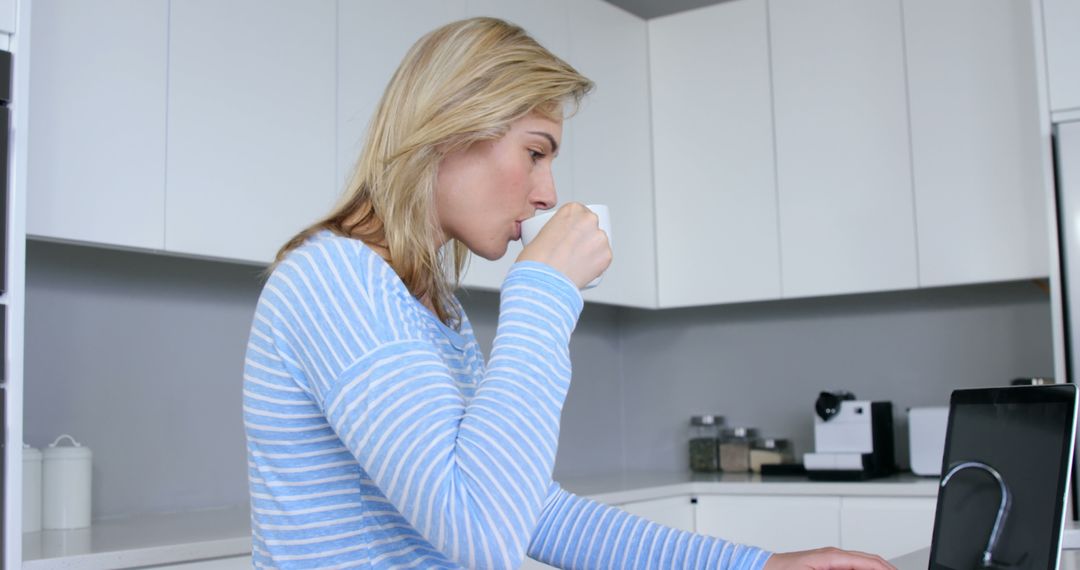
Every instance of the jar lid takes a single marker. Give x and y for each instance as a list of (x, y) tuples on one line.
[(31, 453), (740, 431), (707, 420), (75, 451), (772, 443)]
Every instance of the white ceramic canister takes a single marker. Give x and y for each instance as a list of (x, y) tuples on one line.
[(31, 489), (65, 485)]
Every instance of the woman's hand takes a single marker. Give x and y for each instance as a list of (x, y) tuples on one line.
[(573, 243), (827, 559)]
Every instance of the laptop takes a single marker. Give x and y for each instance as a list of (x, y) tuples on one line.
[(1022, 437)]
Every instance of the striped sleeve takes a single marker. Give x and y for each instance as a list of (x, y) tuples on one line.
[(578, 533), (471, 475)]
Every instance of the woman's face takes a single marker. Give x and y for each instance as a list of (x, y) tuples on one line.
[(483, 192)]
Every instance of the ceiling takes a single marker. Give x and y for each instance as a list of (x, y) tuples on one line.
[(654, 8)]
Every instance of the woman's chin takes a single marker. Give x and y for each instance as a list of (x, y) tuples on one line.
[(492, 252)]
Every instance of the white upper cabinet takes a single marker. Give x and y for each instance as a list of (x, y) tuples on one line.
[(750, 150), (842, 147), (97, 142), (1061, 21), (7, 16), (975, 141), (610, 145), (716, 220), (251, 124), (373, 37), (549, 25)]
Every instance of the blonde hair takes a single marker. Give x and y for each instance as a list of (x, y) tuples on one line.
[(462, 83)]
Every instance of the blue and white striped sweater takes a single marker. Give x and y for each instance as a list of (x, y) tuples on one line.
[(377, 439)]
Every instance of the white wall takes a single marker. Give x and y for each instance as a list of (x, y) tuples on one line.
[(140, 357)]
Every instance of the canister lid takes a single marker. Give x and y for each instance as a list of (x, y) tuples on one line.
[(772, 443), (741, 432), (76, 450), (30, 453), (707, 420)]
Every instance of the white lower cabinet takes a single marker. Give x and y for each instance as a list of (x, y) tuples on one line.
[(887, 526), (231, 563), (675, 512), (779, 524)]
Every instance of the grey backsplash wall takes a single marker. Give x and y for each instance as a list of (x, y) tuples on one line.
[(123, 348), (140, 357)]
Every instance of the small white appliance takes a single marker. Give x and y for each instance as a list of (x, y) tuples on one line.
[(853, 439), (926, 436)]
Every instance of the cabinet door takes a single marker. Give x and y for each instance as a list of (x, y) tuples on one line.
[(1062, 20), (716, 218), (550, 27), (843, 158), (779, 524), (97, 153), (611, 145), (976, 147), (7, 16), (887, 526), (675, 512), (251, 124), (373, 37)]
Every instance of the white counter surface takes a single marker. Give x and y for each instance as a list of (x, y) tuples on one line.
[(615, 489), (173, 538), (141, 541)]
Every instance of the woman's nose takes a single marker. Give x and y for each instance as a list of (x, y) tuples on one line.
[(544, 196)]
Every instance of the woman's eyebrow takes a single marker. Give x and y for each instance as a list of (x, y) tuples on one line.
[(551, 139)]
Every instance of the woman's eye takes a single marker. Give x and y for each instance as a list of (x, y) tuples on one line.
[(535, 155)]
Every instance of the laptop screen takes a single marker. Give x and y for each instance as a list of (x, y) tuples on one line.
[(1025, 434)]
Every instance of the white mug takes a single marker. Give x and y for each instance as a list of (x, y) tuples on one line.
[(531, 227)]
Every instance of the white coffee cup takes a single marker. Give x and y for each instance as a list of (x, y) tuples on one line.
[(531, 227)]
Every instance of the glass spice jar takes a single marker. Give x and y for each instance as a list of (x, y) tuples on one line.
[(769, 451), (704, 443), (735, 449)]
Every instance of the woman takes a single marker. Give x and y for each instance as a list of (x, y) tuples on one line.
[(377, 436)]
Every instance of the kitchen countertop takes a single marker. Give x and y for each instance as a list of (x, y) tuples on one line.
[(920, 560), (142, 541), (182, 537), (623, 488)]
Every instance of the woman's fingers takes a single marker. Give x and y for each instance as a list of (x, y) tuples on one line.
[(827, 559), (573, 243)]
